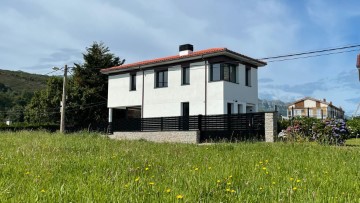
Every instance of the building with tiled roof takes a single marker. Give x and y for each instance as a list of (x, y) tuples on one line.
[(208, 82), (310, 107)]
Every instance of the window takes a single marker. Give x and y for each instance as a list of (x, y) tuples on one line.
[(185, 109), (186, 76), (223, 71), (161, 78), (230, 108), (133, 81), (248, 76)]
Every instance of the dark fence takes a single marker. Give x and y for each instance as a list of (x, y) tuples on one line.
[(212, 127)]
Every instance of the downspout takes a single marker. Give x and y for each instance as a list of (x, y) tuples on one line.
[(202, 57), (142, 93)]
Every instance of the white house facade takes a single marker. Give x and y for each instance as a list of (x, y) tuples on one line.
[(207, 82)]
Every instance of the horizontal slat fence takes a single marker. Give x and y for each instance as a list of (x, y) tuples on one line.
[(237, 126)]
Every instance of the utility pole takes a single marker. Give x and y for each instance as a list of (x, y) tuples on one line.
[(63, 105)]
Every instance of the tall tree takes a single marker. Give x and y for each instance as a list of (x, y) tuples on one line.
[(88, 89)]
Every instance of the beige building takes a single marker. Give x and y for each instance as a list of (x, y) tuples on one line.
[(310, 107)]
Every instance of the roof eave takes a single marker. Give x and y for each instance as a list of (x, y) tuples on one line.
[(225, 52)]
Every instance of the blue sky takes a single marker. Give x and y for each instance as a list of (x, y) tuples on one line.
[(39, 34)]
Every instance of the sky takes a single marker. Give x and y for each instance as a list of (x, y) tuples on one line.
[(37, 35)]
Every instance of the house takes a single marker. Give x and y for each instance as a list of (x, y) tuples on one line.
[(310, 107), (207, 82)]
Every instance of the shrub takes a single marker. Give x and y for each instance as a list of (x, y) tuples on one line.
[(329, 131), (354, 127)]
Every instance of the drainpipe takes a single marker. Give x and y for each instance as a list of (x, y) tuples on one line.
[(202, 57), (142, 93)]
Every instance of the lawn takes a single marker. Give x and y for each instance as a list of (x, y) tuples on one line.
[(44, 167)]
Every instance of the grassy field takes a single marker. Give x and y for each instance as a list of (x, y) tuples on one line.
[(38, 166)]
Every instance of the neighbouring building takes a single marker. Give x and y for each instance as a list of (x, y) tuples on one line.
[(208, 82), (310, 107)]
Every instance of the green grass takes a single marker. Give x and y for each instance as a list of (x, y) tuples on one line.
[(44, 167), (353, 142)]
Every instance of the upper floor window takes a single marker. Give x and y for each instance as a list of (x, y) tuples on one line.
[(248, 76), (133, 81), (161, 78), (223, 71), (185, 76)]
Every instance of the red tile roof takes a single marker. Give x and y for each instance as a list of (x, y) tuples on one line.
[(358, 61), (176, 57)]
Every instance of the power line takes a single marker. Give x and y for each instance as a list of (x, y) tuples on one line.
[(311, 52), (313, 56)]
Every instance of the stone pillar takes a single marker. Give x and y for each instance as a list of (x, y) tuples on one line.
[(270, 126), (109, 129)]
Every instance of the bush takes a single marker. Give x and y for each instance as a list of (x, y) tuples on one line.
[(29, 126), (354, 127), (329, 131)]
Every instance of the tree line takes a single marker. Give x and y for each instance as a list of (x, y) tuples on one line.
[(86, 93)]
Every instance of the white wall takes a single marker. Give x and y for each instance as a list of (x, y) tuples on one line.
[(309, 103), (119, 94), (166, 101)]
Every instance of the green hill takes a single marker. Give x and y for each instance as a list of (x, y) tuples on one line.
[(16, 91), (19, 81)]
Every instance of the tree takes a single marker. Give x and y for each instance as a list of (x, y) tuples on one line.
[(45, 104), (87, 102)]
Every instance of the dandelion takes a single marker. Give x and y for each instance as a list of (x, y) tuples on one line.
[(291, 179), (232, 191), (43, 190), (146, 169), (260, 162), (267, 172), (27, 173), (294, 188), (151, 183), (196, 169), (218, 181), (298, 181), (126, 185), (260, 188), (273, 183), (228, 190), (230, 176), (167, 190), (209, 167), (263, 168), (228, 183), (267, 161), (179, 196), (137, 179)]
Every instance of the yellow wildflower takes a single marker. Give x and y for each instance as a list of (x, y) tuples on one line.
[(196, 169), (298, 181), (230, 176), (228, 183), (179, 196), (228, 190), (291, 179), (232, 191), (151, 183), (146, 169), (294, 188), (137, 179), (218, 181), (167, 190), (263, 168), (209, 167), (42, 190), (27, 173), (273, 183)]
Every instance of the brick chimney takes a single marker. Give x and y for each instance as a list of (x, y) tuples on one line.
[(186, 49)]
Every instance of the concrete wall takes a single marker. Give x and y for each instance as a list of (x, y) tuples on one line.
[(162, 136), (166, 101)]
